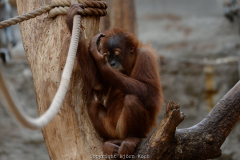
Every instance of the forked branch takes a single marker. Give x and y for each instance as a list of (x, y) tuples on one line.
[(199, 142)]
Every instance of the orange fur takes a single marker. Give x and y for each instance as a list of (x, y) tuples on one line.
[(130, 95)]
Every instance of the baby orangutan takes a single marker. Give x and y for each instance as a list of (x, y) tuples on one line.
[(123, 85)]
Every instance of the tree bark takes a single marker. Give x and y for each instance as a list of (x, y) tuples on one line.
[(120, 14), (46, 42)]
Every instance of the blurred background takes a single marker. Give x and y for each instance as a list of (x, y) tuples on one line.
[(198, 46)]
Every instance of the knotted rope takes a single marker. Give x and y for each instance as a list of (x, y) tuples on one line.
[(92, 8), (97, 8)]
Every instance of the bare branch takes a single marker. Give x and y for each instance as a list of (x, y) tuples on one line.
[(199, 142)]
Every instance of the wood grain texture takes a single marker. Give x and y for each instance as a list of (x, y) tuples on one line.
[(46, 42)]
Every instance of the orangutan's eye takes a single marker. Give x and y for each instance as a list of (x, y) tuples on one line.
[(117, 51)]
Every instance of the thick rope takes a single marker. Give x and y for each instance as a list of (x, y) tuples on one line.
[(97, 8), (87, 11), (24, 17), (37, 123), (91, 8), (91, 4)]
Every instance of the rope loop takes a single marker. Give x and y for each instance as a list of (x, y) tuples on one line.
[(92, 8)]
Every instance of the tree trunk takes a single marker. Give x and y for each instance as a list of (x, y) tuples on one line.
[(120, 14), (46, 42)]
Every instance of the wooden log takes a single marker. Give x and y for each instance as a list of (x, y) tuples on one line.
[(120, 14), (46, 42)]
